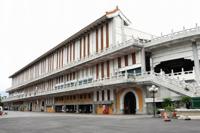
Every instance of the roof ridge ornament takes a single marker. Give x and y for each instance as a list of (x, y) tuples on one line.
[(113, 11)]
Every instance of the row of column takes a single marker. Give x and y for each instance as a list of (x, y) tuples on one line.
[(99, 92)]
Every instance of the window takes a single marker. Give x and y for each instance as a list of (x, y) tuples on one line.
[(108, 69), (97, 96), (97, 40), (119, 62), (102, 38), (107, 35), (126, 60), (102, 70), (102, 95), (74, 75), (108, 94), (133, 58), (97, 71), (88, 44)]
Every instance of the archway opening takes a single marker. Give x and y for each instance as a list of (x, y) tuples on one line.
[(129, 103)]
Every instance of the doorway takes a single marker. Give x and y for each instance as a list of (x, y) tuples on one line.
[(129, 103), (30, 107)]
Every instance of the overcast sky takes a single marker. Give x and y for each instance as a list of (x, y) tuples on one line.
[(28, 28)]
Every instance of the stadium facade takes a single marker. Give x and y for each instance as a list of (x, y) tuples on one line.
[(107, 68)]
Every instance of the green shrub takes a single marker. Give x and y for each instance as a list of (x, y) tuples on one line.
[(170, 108), (185, 100), (167, 102)]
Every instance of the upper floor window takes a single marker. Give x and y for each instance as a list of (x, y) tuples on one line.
[(97, 96), (126, 60), (119, 62), (102, 95)]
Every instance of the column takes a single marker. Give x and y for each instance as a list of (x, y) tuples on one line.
[(100, 95), (196, 61), (77, 108), (111, 94), (53, 104), (105, 95), (114, 99), (143, 64), (144, 91), (93, 108), (95, 96)]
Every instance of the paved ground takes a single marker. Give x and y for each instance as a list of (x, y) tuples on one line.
[(30, 122)]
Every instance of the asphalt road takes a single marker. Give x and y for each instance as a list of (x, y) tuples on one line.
[(30, 122)]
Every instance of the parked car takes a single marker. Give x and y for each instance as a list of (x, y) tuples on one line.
[(1, 110)]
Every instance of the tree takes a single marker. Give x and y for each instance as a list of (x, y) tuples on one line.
[(185, 100), (167, 102)]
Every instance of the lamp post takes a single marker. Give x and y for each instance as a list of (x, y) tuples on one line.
[(153, 89)]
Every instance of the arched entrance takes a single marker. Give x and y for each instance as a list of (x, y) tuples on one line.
[(129, 103)]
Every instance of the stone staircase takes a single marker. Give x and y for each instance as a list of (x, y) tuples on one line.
[(175, 85)]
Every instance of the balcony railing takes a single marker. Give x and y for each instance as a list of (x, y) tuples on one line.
[(174, 36), (183, 75), (104, 52), (161, 79), (79, 84)]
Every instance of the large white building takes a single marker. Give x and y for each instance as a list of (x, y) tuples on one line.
[(108, 67)]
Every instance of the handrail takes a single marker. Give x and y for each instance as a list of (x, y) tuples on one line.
[(196, 28), (173, 35)]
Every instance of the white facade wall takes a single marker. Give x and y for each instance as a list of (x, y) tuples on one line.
[(111, 67), (92, 42), (110, 30), (198, 47), (118, 29), (172, 52), (138, 57), (165, 93)]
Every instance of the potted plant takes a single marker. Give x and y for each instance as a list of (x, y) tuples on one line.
[(169, 107), (170, 110)]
